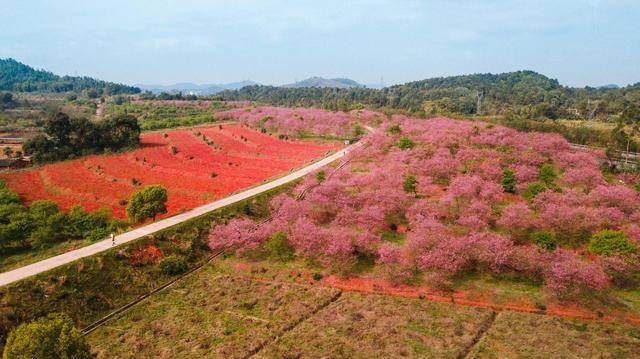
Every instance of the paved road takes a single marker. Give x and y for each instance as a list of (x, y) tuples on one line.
[(53, 262)]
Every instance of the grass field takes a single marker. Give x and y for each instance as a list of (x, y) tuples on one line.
[(209, 315), (522, 335), (153, 115), (238, 309)]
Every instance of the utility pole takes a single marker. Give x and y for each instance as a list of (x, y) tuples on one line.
[(479, 95), (593, 110)]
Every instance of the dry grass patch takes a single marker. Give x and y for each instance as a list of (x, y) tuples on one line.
[(375, 326), (208, 315), (523, 335)]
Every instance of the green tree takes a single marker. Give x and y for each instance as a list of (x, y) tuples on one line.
[(147, 203), (279, 248), (321, 176), (49, 222), (395, 129), (122, 131), (7, 196), (533, 189), (58, 126), (53, 336), (358, 130), (8, 152), (548, 175), (410, 184), (405, 143), (544, 240), (608, 242), (509, 181), (173, 265)]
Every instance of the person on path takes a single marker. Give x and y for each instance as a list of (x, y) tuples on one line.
[(113, 239)]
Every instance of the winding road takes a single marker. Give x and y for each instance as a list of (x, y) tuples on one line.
[(104, 245)]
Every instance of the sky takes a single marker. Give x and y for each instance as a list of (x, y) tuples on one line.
[(578, 42)]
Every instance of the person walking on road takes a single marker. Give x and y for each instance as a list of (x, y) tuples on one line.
[(113, 239)]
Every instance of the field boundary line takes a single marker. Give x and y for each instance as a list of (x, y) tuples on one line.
[(292, 326), (482, 331), (98, 323)]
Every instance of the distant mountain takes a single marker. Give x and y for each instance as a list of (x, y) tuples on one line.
[(16, 76), (609, 87), (191, 88), (321, 82)]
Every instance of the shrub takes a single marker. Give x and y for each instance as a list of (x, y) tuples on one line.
[(53, 336), (321, 176), (173, 265), (548, 175), (608, 242), (509, 181), (544, 240), (405, 143), (533, 189), (410, 184), (279, 248), (395, 129)]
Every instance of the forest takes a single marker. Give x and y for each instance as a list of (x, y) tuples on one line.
[(523, 93), (18, 77)]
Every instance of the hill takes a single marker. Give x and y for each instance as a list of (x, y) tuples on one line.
[(191, 88), (321, 82), (16, 76), (526, 94)]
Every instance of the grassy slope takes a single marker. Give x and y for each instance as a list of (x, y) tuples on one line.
[(92, 287), (521, 335), (232, 307), (156, 115), (209, 314)]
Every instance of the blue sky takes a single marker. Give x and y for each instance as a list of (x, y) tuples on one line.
[(579, 42)]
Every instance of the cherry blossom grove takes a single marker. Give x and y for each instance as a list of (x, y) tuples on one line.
[(459, 218)]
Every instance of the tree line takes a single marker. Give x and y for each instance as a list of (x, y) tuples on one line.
[(16, 76), (66, 137), (524, 93)]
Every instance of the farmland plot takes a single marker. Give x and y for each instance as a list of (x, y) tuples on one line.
[(196, 166), (209, 315)]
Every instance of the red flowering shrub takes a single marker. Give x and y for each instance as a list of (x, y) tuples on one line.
[(240, 157), (147, 254)]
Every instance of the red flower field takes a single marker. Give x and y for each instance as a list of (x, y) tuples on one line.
[(196, 166)]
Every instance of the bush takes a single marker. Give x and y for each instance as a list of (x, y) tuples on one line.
[(548, 175), (53, 336), (410, 184), (279, 248), (509, 181), (544, 240), (405, 143), (395, 129), (608, 242), (533, 189), (321, 176), (173, 265)]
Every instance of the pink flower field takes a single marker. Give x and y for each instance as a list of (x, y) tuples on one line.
[(446, 182)]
